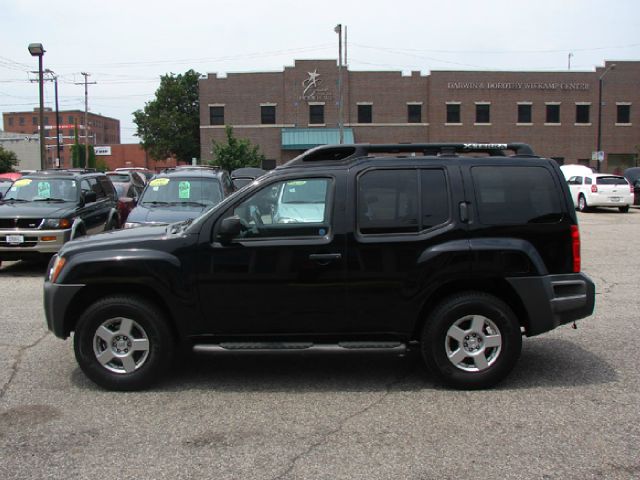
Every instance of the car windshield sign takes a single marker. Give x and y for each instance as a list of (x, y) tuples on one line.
[(40, 189)]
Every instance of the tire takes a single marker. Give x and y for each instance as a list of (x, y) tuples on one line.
[(123, 343), (624, 209), (491, 334), (582, 204)]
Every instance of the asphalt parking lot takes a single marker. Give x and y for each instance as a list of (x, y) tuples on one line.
[(568, 411)]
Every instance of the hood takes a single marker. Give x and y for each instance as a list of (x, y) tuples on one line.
[(164, 213), (10, 209)]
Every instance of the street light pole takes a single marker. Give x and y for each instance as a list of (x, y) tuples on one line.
[(37, 50), (599, 137), (338, 30)]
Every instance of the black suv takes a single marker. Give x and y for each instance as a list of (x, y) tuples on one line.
[(44, 210), (350, 248)]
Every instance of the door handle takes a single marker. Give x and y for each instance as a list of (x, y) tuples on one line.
[(325, 258)]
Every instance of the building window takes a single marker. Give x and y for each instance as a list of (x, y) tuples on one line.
[(583, 113), (624, 113), (34, 120), (365, 113), (316, 114), (216, 115), (483, 113), (525, 113), (21, 121), (553, 113), (71, 119), (46, 120), (10, 121), (414, 113), (453, 113), (268, 114)]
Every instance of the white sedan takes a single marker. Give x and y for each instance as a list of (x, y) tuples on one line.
[(601, 190)]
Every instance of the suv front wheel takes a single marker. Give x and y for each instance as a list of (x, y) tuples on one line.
[(471, 340), (123, 343)]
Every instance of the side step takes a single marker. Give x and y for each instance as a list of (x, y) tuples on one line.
[(302, 347)]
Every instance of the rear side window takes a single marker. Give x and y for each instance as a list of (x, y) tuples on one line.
[(611, 181), (401, 201), (515, 195)]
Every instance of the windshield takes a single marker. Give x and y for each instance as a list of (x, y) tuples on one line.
[(175, 191), (41, 189), (118, 177)]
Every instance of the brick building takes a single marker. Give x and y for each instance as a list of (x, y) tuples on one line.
[(101, 130), (556, 112)]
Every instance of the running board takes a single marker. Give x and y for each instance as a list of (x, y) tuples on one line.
[(301, 347)]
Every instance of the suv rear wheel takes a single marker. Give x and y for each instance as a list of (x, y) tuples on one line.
[(123, 343), (471, 340)]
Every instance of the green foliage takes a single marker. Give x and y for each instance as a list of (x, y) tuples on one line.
[(101, 165), (169, 125), (8, 160), (236, 153), (79, 152)]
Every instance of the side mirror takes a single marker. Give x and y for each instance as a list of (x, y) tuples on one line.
[(90, 197), (230, 228)]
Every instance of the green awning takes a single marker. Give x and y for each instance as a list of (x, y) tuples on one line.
[(305, 138)]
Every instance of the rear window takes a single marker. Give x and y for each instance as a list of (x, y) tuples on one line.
[(611, 180), (516, 195), (118, 177)]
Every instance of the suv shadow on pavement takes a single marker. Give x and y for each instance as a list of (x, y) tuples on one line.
[(544, 363), (24, 268)]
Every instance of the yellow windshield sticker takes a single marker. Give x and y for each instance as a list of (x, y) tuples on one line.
[(23, 182), (184, 190), (44, 189), (159, 182)]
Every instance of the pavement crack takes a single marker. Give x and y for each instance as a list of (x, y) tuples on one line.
[(17, 361), (325, 437)]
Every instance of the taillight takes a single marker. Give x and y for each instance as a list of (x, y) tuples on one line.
[(594, 189), (575, 246)]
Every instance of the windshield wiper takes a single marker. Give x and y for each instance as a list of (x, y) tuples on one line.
[(189, 203), (176, 227), (14, 200), (155, 203), (50, 199)]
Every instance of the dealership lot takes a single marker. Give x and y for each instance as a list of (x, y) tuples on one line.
[(569, 409)]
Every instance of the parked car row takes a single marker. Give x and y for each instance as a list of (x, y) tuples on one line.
[(42, 210), (589, 189)]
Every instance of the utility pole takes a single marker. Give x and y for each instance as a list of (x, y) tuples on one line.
[(86, 116), (54, 78), (338, 30)]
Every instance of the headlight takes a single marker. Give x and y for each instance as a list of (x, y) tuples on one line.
[(56, 223), (56, 268), (132, 225)]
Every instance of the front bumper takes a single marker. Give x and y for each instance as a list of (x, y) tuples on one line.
[(57, 301), (34, 242), (554, 300)]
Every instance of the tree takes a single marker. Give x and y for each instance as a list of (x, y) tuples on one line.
[(236, 153), (169, 125), (8, 160)]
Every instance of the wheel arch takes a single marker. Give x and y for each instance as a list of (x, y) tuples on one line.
[(92, 293), (497, 287)]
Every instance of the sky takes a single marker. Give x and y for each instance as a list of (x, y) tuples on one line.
[(126, 46)]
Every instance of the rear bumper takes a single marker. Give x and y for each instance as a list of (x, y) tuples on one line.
[(554, 300), (604, 200)]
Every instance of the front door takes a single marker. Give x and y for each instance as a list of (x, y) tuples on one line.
[(285, 273)]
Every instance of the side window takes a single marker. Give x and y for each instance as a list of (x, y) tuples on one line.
[(84, 185), (514, 195), (96, 187), (290, 208), (388, 201), (107, 186), (588, 181)]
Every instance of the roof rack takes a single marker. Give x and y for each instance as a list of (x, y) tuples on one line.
[(340, 153)]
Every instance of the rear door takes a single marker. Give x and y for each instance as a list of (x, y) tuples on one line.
[(406, 238)]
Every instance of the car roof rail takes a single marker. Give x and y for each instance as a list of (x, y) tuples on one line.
[(340, 153)]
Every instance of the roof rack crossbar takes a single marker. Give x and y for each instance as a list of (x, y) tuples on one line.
[(347, 152)]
